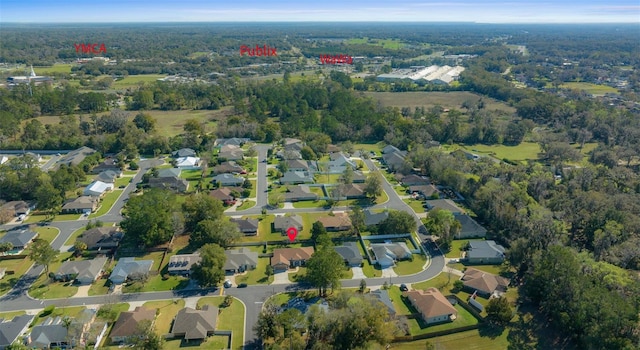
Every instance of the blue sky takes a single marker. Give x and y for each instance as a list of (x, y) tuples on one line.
[(526, 11)]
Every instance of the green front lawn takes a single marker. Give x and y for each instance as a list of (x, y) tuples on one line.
[(469, 340), (258, 275), (99, 287), (246, 204), (130, 172), (309, 204), (72, 312), (45, 288), (47, 233), (408, 267), (443, 282), (167, 312), (59, 217), (414, 204), (106, 203), (123, 181), (230, 318), (15, 269), (74, 236), (464, 318), (157, 283), (369, 270)]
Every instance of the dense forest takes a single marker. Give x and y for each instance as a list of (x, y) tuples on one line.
[(571, 226)]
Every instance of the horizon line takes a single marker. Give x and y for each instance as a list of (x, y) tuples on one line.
[(334, 21)]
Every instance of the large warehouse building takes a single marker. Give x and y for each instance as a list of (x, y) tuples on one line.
[(424, 75)]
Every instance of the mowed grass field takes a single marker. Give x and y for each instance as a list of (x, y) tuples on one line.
[(56, 68), (135, 80), (590, 88), (470, 340), (453, 99), (393, 44)]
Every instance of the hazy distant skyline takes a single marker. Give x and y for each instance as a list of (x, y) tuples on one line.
[(482, 11)]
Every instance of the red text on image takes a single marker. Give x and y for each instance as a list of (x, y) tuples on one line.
[(258, 51), (90, 48)]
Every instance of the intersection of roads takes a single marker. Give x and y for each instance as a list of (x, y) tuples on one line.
[(253, 297)]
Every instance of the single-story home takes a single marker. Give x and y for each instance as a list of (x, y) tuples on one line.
[(170, 183), (296, 177), (338, 163), (299, 193), (223, 194), (187, 162), (288, 154), (129, 322), (469, 228), (75, 157), (194, 324), (84, 272), (484, 252), (183, 152), (227, 167), (415, 180), (386, 254), (130, 269), (180, 264), (11, 330), (484, 283), (235, 141), (169, 172), (231, 152), (285, 258), (97, 188), (432, 305), (383, 296), (445, 204), (228, 180), (297, 165), (109, 176), (393, 160), (350, 253), (240, 260), (80, 205), (19, 238), (101, 238), (353, 191), (371, 218), (338, 222), (15, 208), (291, 144), (358, 177), (390, 149), (283, 223), (249, 227), (108, 164), (50, 334), (427, 191)]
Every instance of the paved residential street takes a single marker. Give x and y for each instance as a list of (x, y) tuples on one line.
[(252, 296)]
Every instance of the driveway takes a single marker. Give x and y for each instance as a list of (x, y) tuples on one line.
[(388, 272), (357, 273), (281, 278)]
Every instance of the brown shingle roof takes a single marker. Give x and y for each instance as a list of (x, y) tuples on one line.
[(339, 220), (127, 323), (483, 281), (431, 303), (286, 255)]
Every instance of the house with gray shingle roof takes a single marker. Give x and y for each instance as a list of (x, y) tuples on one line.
[(84, 272), (249, 227), (371, 218), (382, 296), (183, 152), (50, 334), (350, 253), (282, 223), (19, 238), (240, 260), (228, 180), (11, 330), (387, 254), (195, 324), (130, 269), (299, 193), (484, 252), (393, 160), (469, 227), (169, 172), (181, 264), (296, 177)]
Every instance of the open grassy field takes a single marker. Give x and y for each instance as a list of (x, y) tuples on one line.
[(167, 311), (392, 44), (171, 123), (590, 88), (523, 151), (56, 68), (135, 80), (470, 340), (453, 99)]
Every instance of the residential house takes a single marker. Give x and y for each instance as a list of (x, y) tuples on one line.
[(350, 253), (358, 177), (224, 194), (382, 296), (81, 205), (85, 329), (331, 148), (288, 154), (37, 158), (445, 204), (291, 144), (169, 172), (464, 154), (11, 330), (338, 222), (228, 180), (352, 191), (181, 264), (240, 260), (188, 162), (283, 223), (390, 149), (484, 252), (415, 180), (83, 272), (169, 183), (432, 305), (108, 164), (109, 176), (296, 177), (371, 218), (469, 228), (249, 227), (338, 163), (297, 165), (299, 193), (427, 191), (101, 238), (51, 334), (16, 208), (19, 238), (129, 324), (130, 269), (192, 324), (183, 152), (75, 157), (230, 152), (97, 188), (394, 161), (235, 141), (386, 254), (227, 167), (484, 283), (285, 258)]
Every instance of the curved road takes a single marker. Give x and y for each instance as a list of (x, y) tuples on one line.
[(253, 296)]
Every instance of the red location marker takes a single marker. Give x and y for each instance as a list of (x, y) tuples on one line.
[(292, 232)]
